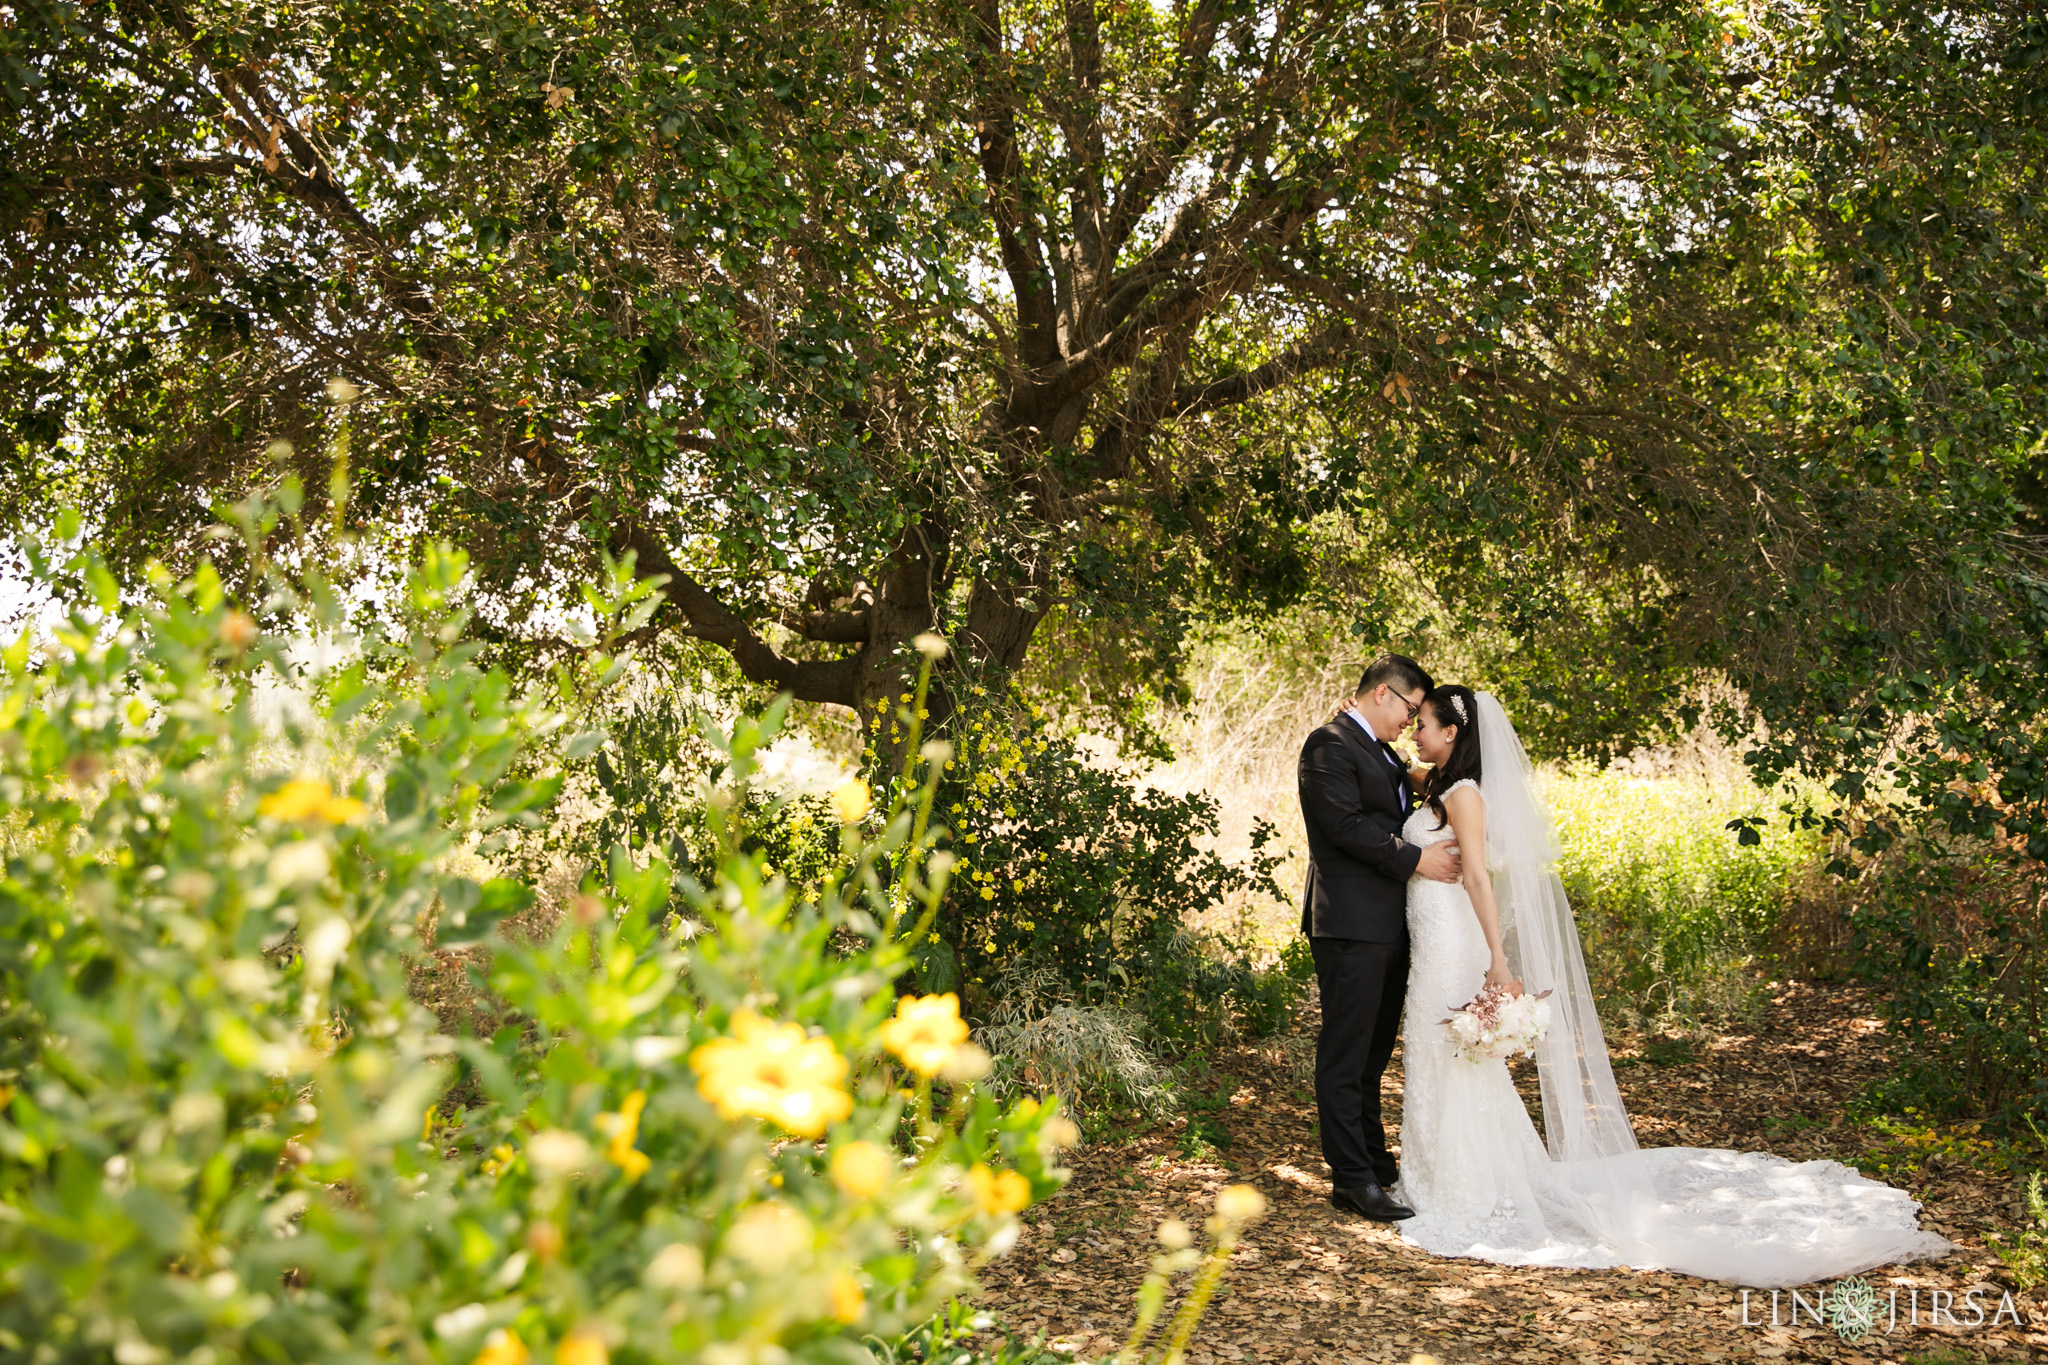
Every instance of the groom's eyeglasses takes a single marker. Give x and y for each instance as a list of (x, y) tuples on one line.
[(1414, 707)]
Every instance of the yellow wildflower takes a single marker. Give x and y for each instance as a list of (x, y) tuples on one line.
[(582, 1347), (851, 798), (772, 1071), (503, 1347), (499, 1161), (862, 1169), (998, 1192), (769, 1236), (624, 1127), (848, 1302), (308, 798), (925, 1031), (1240, 1203)]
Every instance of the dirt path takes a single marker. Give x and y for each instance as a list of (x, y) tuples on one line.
[(1311, 1284)]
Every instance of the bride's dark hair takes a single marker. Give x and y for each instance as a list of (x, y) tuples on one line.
[(1453, 705)]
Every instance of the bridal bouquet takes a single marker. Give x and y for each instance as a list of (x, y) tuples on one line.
[(1496, 1024)]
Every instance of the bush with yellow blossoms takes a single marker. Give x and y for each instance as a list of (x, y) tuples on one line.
[(707, 1133)]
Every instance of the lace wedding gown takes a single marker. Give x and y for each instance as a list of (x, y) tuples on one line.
[(1483, 1185)]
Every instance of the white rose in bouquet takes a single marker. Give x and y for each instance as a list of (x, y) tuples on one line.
[(1496, 1025)]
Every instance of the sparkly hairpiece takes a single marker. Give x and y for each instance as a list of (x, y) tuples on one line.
[(1458, 705)]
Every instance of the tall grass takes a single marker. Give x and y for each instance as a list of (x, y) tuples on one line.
[(1672, 909)]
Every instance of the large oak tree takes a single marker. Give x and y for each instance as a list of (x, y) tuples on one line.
[(865, 321)]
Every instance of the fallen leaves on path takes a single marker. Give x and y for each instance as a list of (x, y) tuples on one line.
[(1312, 1284)]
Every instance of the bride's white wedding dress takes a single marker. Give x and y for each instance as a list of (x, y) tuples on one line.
[(1482, 1182)]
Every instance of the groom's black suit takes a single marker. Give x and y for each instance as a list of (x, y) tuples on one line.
[(1354, 797)]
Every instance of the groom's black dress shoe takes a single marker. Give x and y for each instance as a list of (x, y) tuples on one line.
[(1370, 1201)]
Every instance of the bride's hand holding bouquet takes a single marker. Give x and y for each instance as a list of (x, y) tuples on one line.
[(1501, 1021)]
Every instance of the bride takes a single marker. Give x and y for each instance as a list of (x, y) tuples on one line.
[(1480, 1180)]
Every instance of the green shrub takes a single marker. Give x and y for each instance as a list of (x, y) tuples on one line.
[(2025, 1254), (1085, 970), (1082, 869), (1954, 934), (659, 760), (230, 1134)]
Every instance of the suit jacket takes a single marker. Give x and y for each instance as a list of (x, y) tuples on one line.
[(1358, 869)]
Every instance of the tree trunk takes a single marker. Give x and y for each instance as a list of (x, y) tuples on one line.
[(910, 600), (906, 604)]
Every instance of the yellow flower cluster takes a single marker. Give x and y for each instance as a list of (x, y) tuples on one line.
[(772, 1071), (309, 798), (925, 1032), (624, 1128), (998, 1192)]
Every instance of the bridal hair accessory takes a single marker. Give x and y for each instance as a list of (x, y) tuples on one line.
[(1458, 705), (1494, 1024)]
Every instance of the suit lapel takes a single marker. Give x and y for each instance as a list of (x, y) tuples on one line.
[(1375, 761)]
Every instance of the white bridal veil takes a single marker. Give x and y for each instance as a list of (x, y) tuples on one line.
[(1743, 1217)]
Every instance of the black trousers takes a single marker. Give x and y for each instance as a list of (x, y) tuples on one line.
[(1363, 986)]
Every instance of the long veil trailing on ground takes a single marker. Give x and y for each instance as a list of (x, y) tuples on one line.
[(1723, 1215)]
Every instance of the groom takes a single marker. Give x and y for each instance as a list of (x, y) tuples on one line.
[(1354, 797)]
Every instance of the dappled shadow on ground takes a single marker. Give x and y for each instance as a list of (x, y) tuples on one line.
[(1312, 1284)]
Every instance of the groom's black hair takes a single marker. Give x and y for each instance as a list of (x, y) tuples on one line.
[(1398, 669)]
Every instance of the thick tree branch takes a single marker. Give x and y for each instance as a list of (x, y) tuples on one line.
[(1150, 397), (1177, 132), (1081, 126), (1310, 353), (832, 627), (1002, 168), (704, 617)]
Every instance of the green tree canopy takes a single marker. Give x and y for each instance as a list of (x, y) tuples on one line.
[(1663, 341)]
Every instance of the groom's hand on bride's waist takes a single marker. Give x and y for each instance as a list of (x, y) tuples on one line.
[(1440, 862)]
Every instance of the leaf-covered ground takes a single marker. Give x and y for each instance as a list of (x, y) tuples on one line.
[(1312, 1284)]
